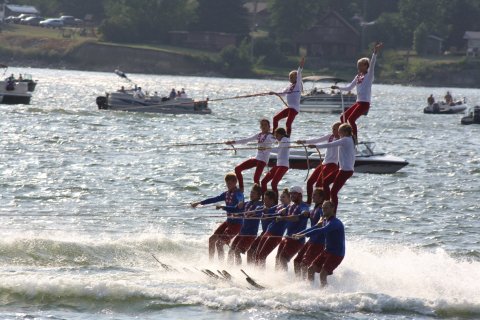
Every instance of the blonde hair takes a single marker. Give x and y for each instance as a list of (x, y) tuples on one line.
[(346, 128), (364, 61)]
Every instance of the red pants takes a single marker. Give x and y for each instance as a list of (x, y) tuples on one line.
[(338, 178), (314, 251), (288, 113), (248, 164), (325, 261), (221, 236), (242, 243), (253, 249), (355, 112), (265, 247), (317, 177), (275, 174), (287, 249)]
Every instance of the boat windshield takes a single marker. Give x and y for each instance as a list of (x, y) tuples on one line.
[(365, 149)]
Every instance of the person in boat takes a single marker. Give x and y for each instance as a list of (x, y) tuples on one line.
[(139, 94), (315, 245), (183, 94), (270, 201), (297, 219), (173, 94), (293, 93), (346, 161), (363, 82), (329, 164), (234, 201), (264, 141), (333, 230), (275, 230), (448, 99), (277, 172), (248, 233), (430, 100), (122, 89)]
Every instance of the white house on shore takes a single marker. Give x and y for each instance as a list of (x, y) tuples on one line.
[(473, 42)]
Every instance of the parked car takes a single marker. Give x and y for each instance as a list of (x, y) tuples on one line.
[(17, 19), (31, 21), (51, 23), (71, 21)]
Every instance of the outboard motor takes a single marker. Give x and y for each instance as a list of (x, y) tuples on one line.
[(476, 114), (436, 108), (102, 102)]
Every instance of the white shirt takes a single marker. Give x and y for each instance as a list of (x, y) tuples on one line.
[(264, 140), (363, 83), (294, 92), (283, 152), (346, 152), (331, 155)]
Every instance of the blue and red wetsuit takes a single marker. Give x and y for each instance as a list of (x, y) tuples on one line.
[(271, 238), (249, 230), (334, 252), (228, 229), (288, 246), (265, 223), (314, 246)]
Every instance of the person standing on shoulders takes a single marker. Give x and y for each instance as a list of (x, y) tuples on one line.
[(329, 164), (363, 82), (293, 93), (264, 140)]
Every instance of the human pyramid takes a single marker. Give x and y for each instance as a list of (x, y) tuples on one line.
[(284, 223)]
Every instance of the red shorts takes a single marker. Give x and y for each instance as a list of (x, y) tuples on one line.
[(327, 262), (242, 242), (313, 251), (288, 248), (227, 231)]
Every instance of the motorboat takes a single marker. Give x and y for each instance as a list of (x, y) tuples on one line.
[(325, 99), (367, 160), (129, 100), (472, 116), (14, 92), (445, 108)]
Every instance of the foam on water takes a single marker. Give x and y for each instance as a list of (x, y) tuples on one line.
[(75, 270)]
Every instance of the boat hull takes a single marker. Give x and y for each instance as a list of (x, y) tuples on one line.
[(444, 109), (326, 103), (15, 99), (167, 107)]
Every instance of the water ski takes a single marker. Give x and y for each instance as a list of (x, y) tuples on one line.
[(164, 265), (211, 274), (226, 275), (251, 281)]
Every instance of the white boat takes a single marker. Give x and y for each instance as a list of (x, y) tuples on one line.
[(127, 100), (325, 99), (14, 92), (444, 108), (472, 116), (366, 161)]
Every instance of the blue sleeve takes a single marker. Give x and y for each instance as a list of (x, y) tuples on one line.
[(309, 231), (240, 197), (329, 227), (214, 199)]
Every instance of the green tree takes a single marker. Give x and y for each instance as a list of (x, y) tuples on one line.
[(221, 16), (290, 17), (144, 20), (419, 38)]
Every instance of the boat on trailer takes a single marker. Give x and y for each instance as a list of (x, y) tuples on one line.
[(325, 99), (366, 161)]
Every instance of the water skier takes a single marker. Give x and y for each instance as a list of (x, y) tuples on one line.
[(277, 172)]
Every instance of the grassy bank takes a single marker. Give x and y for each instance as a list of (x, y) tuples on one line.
[(40, 47)]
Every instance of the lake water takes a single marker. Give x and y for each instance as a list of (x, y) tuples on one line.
[(88, 196)]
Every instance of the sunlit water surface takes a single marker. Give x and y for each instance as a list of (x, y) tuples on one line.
[(87, 196)]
